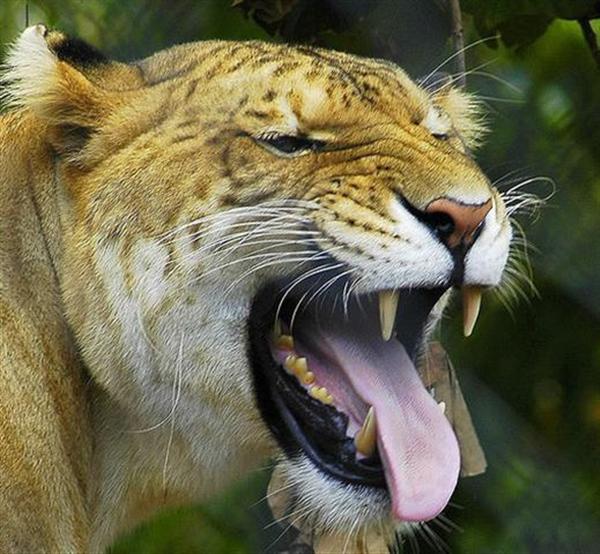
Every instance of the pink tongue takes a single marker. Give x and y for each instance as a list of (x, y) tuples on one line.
[(416, 442)]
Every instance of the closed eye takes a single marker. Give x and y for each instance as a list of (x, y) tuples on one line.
[(290, 145)]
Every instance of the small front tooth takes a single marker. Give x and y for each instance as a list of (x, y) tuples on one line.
[(388, 304), (289, 363), (365, 440), (321, 394), (285, 342), (471, 298), (308, 378), (315, 392), (442, 406), (300, 367)]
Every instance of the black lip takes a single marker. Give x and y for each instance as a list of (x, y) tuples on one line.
[(291, 414), (302, 424)]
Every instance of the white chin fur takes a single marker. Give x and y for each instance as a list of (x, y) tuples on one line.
[(329, 506)]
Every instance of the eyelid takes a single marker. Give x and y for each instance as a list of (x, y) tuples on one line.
[(271, 134), (289, 145)]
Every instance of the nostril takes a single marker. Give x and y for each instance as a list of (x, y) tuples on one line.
[(453, 222), (466, 220), (441, 223)]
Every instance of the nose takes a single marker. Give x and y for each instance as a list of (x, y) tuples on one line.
[(454, 222)]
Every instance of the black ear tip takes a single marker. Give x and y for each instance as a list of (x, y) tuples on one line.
[(76, 51)]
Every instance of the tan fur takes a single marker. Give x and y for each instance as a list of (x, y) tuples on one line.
[(97, 162)]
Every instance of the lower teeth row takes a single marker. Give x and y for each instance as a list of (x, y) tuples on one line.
[(365, 439)]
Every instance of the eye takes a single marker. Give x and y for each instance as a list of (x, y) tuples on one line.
[(440, 136), (290, 145)]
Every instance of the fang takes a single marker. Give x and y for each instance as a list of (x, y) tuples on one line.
[(365, 440), (388, 305)]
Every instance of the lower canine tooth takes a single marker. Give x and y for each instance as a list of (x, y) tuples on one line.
[(365, 440), (388, 305), (471, 297)]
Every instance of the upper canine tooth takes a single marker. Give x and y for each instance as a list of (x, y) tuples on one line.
[(471, 299), (442, 406), (365, 440), (388, 304)]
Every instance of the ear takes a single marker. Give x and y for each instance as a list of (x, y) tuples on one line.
[(465, 111), (65, 82)]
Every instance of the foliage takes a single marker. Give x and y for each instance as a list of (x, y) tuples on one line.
[(520, 22)]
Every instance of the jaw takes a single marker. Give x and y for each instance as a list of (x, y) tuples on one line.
[(348, 407)]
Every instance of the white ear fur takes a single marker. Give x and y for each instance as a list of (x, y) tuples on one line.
[(30, 69), (466, 113)]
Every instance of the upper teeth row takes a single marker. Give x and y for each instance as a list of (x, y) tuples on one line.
[(388, 306), (298, 366)]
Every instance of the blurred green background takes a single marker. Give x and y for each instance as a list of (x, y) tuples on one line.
[(531, 372)]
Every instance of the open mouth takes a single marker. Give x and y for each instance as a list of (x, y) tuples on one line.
[(336, 379)]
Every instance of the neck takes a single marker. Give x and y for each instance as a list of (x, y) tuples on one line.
[(175, 424), (163, 411)]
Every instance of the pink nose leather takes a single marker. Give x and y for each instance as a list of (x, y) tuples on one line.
[(466, 219)]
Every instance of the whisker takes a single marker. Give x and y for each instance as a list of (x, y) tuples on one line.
[(178, 380), (249, 258), (220, 255), (298, 280), (440, 543), (234, 213), (316, 256), (250, 228), (456, 54), (272, 493), (349, 537), (324, 286)]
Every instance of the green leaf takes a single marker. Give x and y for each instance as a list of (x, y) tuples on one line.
[(521, 22)]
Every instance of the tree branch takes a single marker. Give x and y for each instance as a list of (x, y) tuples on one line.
[(591, 39), (458, 39)]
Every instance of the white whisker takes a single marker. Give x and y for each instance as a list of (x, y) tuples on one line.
[(177, 394), (456, 54)]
